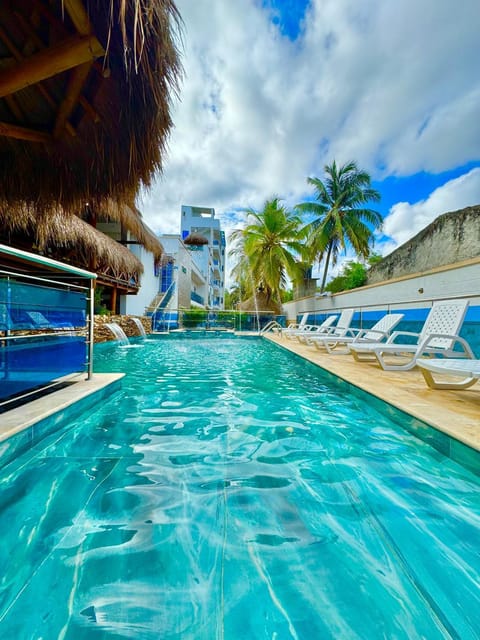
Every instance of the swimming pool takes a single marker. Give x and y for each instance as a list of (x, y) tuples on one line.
[(232, 491)]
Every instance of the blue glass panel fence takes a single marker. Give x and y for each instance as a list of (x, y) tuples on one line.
[(413, 321), (30, 363), (40, 341), (30, 306)]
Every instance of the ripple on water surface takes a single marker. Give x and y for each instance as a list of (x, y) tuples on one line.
[(231, 491)]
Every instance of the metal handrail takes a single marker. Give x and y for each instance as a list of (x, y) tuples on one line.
[(26, 276), (55, 333), (165, 298), (271, 326)]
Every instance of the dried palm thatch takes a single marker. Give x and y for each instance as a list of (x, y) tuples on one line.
[(195, 239), (131, 219), (85, 89), (65, 236)]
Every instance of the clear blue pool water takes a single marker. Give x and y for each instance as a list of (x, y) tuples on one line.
[(232, 491)]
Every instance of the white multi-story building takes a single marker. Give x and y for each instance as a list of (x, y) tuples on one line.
[(209, 257), (181, 269), (193, 268)]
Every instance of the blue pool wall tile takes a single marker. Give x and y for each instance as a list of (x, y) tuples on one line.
[(27, 439), (442, 442)]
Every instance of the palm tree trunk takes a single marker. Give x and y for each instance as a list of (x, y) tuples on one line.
[(327, 262)]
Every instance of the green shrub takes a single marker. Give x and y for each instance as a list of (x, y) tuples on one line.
[(194, 318), (99, 307), (353, 275)]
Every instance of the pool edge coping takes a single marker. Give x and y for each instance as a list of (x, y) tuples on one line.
[(32, 413)]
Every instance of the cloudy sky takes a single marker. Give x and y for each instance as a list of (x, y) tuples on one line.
[(275, 89)]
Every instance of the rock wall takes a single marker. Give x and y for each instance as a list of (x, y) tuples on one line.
[(452, 237), (102, 333)]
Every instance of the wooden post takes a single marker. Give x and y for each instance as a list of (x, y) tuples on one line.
[(113, 303)]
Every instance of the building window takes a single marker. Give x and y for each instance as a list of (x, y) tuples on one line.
[(167, 276)]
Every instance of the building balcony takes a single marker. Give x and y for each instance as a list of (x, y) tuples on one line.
[(195, 297)]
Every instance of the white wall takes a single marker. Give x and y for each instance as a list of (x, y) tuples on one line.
[(461, 280), (149, 285)]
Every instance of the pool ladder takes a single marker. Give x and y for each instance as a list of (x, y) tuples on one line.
[(273, 326)]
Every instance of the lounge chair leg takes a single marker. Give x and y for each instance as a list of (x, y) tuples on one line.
[(394, 367), (433, 384), (333, 350), (370, 357)]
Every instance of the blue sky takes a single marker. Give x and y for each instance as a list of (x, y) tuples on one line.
[(275, 89)]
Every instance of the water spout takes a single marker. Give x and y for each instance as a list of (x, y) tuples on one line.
[(140, 327), (118, 332), (255, 301)]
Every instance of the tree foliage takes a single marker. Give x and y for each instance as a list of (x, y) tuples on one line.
[(341, 214), (267, 250), (353, 275)]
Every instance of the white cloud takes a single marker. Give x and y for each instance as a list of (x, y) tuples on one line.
[(405, 219), (391, 84)]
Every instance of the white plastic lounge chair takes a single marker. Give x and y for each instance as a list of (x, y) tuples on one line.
[(315, 330), (469, 370), (379, 332), (339, 331), (296, 326), (300, 330), (438, 336)]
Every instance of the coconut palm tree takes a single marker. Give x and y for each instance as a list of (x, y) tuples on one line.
[(267, 249), (342, 216)]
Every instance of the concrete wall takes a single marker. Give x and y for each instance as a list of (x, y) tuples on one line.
[(418, 290), (451, 238)]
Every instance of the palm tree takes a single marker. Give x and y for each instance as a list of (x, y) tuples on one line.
[(341, 214), (267, 249)]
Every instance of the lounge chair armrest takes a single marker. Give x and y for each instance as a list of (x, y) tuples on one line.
[(326, 330), (397, 334), (377, 332), (355, 331), (454, 338)]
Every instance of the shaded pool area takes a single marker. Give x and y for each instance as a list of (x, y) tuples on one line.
[(231, 490)]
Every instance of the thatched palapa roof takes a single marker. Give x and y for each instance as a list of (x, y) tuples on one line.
[(60, 234), (85, 88), (131, 218), (195, 239)]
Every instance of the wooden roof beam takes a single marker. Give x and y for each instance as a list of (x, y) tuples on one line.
[(75, 85), (58, 24), (78, 16), (22, 133), (14, 108), (31, 33), (39, 87), (69, 53)]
